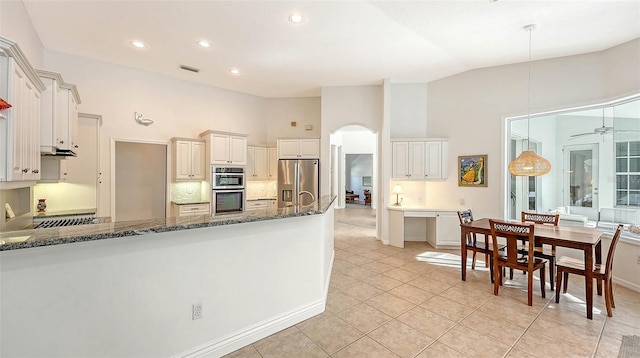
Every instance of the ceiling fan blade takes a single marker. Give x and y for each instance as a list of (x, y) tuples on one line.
[(628, 130), (581, 135)]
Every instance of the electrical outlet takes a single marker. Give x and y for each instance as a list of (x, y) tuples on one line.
[(196, 311), (461, 201)]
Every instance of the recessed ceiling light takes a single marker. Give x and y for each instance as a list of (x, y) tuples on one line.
[(235, 71), (295, 18), (138, 44), (204, 43)]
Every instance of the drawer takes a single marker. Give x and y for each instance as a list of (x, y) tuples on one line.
[(193, 209), (257, 205)]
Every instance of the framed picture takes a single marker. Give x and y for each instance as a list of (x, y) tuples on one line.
[(366, 181), (472, 170)]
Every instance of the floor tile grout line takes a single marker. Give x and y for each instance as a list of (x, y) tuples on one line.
[(604, 324), (513, 346)]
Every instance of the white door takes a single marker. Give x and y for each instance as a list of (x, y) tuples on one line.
[(183, 160), (260, 164), (433, 160), (237, 150), (197, 160), (288, 148), (400, 152), (581, 176), (416, 160), (219, 149), (273, 163), (309, 148)]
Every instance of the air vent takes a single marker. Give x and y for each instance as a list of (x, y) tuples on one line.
[(188, 68)]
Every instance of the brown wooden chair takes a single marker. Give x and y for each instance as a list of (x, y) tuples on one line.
[(513, 233), (602, 273), (540, 251), (485, 247)]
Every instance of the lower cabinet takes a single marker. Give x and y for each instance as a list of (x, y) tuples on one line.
[(190, 209), (253, 205), (442, 226)]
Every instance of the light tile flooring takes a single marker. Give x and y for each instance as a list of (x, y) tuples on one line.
[(389, 302)]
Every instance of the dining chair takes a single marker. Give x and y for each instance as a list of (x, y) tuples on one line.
[(540, 251), (514, 232), (602, 273), (485, 247)]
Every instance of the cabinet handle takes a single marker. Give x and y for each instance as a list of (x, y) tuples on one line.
[(61, 142), (35, 171), (75, 146), (25, 170)]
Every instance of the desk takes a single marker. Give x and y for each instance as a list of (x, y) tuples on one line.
[(585, 239), (441, 225), (352, 197)]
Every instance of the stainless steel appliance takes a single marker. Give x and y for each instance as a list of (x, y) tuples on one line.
[(298, 182), (227, 177), (228, 191)]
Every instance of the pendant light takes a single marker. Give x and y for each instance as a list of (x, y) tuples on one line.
[(528, 163)]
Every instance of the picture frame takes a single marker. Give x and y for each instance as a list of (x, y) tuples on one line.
[(366, 181), (472, 170)]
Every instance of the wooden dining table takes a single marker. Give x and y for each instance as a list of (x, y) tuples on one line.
[(584, 239)]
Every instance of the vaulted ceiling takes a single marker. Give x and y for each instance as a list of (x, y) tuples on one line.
[(337, 43)]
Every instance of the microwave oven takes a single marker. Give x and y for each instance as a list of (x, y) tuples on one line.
[(227, 177)]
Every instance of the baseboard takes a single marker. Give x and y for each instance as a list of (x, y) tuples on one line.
[(627, 284), (235, 341)]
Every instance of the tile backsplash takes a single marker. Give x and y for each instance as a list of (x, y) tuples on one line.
[(261, 189), (189, 191)]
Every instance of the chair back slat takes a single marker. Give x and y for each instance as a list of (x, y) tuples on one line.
[(538, 218), (513, 232), (612, 249), (465, 216)]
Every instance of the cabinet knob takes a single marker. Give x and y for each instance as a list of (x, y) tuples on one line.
[(35, 171), (61, 142), (25, 170), (75, 146)]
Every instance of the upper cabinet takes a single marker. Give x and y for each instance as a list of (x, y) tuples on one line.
[(20, 124), (188, 159), (273, 163), (419, 159), (59, 128), (257, 163), (308, 148), (225, 148)]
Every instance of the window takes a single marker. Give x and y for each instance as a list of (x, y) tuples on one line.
[(628, 173)]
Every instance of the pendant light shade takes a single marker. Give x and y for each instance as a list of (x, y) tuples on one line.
[(528, 163)]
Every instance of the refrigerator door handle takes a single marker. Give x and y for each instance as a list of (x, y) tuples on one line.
[(313, 198)]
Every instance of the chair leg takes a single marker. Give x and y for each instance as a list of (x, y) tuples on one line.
[(558, 285), (486, 260), (473, 261), (610, 285), (607, 297), (566, 282), (542, 281), (510, 274), (496, 283), (530, 289), (490, 261), (552, 265)]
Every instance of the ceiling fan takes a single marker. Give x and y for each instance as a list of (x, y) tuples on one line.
[(602, 130)]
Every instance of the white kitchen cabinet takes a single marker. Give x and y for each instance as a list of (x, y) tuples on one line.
[(442, 226), (190, 209), (20, 124), (60, 100), (253, 205), (273, 163), (257, 163), (419, 159), (188, 159), (225, 148), (54, 170), (308, 148)]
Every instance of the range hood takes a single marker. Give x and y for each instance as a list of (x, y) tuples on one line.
[(55, 152)]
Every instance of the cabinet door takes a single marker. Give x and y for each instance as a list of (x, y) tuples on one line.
[(198, 167), (182, 160), (447, 230), (261, 163), (273, 163), (399, 160), (16, 125), (309, 148), (433, 160), (50, 115), (251, 163), (288, 148), (416, 160), (219, 150), (73, 123), (237, 150), (34, 134)]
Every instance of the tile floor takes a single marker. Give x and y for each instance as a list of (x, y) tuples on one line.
[(389, 302)]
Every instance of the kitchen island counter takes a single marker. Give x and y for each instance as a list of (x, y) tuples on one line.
[(113, 230)]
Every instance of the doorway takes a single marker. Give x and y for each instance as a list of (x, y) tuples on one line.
[(140, 181)]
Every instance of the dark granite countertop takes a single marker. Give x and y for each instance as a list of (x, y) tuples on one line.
[(50, 214), (25, 239), (189, 202)]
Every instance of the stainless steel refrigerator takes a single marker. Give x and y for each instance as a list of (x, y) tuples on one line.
[(298, 182)]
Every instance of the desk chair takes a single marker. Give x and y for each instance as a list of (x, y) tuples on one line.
[(513, 233), (540, 251), (567, 265), (485, 247)]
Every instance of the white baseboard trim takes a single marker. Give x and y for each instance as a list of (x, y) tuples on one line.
[(233, 342), (627, 284)]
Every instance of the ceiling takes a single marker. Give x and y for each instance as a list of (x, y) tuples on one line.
[(338, 43)]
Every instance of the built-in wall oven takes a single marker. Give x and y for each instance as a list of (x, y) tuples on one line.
[(228, 190)]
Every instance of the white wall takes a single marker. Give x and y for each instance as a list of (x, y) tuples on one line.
[(282, 111), (409, 110), (16, 25)]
